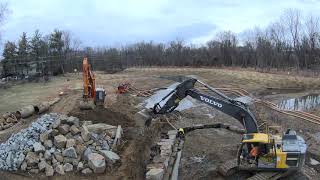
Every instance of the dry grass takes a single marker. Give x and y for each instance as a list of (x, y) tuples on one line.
[(235, 77), (144, 78)]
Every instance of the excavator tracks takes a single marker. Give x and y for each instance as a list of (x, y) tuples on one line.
[(309, 172), (228, 168), (266, 175)]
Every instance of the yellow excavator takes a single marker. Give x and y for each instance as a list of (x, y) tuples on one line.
[(258, 151), (92, 96)]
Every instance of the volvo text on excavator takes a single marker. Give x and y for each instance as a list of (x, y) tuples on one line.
[(91, 95), (258, 151)]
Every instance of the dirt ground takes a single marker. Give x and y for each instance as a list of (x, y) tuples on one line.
[(204, 150)]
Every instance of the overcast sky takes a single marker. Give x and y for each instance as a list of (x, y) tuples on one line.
[(115, 22)]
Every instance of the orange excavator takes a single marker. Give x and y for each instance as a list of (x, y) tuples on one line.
[(91, 95)]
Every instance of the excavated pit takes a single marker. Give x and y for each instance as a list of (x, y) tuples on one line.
[(136, 141), (103, 115)]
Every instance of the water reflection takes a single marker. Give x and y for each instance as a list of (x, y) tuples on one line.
[(303, 103)]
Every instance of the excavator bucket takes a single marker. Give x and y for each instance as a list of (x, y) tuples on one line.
[(87, 104)]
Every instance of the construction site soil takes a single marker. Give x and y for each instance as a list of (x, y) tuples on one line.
[(204, 150)]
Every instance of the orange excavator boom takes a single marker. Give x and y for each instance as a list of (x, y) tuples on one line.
[(89, 89)]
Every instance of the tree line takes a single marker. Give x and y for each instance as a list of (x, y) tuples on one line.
[(56, 43), (293, 41)]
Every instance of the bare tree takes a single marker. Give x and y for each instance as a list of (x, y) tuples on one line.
[(76, 44), (3, 12), (228, 43), (312, 30), (66, 37), (292, 18)]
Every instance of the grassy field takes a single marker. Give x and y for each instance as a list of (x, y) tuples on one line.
[(145, 78)]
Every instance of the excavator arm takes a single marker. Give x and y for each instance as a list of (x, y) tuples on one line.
[(88, 80), (231, 107)]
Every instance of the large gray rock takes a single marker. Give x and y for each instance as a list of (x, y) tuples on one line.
[(96, 162), (70, 160), (54, 160), (86, 153), (58, 157), (80, 148), (80, 166), (75, 162), (86, 123), (70, 152), (52, 150), (78, 139), (172, 134), (85, 134), (38, 147), (155, 174), (56, 123), (60, 141), (32, 159), (74, 130), (49, 170), (59, 169), (24, 166), (54, 132), (64, 129), (68, 167), (34, 171), (99, 128), (69, 135), (48, 144), (42, 166), (47, 155), (110, 156), (44, 136), (86, 171), (94, 136), (71, 121), (70, 143)]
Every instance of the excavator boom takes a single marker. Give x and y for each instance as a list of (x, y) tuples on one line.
[(233, 108), (88, 80)]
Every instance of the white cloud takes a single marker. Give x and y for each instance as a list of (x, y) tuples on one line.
[(105, 22)]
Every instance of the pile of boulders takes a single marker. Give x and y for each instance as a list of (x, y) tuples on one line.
[(60, 144), (7, 120)]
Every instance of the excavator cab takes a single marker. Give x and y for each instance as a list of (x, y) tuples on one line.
[(100, 96), (256, 151), (273, 152)]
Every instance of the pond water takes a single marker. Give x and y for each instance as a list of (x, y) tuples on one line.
[(302, 103)]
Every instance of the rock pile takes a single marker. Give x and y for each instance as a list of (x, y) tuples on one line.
[(12, 152), (60, 144), (7, 120)]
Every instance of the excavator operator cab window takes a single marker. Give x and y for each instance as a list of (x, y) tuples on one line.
[(263, 149), (258, 154), (247, 136)]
